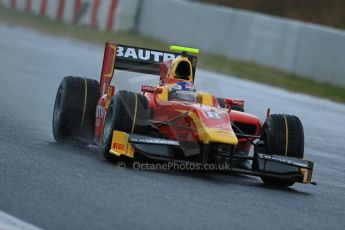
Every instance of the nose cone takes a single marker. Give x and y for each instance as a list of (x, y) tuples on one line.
[(213, 126), (216, 135)]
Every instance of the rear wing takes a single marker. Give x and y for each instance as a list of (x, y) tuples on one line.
[(135, 59)]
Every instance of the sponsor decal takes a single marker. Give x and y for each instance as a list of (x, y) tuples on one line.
[(213, 114), (100, 111), (224, 132), (154, 141), (119, 147), (284, 160), (144, 54)]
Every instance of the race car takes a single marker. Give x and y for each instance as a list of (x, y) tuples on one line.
[(174, 122)]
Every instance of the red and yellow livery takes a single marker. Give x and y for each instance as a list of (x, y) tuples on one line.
[(172, 121)]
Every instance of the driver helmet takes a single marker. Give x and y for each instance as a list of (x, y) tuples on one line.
[(183, 91)]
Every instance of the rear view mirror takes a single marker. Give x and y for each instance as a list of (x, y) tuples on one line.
[(231, 102), (151, 89)]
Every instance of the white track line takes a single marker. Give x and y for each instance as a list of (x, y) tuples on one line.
[(8, 222)]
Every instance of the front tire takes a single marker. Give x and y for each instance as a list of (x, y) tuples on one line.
[(128, 112), (282, 135)]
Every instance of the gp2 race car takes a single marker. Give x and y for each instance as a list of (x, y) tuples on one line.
[(172, 121)]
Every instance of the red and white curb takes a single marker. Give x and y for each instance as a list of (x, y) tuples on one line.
[(8, 222), (110, 15)]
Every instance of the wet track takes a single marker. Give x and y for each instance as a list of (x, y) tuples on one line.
[(61, 187)]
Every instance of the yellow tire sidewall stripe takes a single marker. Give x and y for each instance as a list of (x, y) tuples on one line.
[(286, 136), (135, 112), (84, 108)]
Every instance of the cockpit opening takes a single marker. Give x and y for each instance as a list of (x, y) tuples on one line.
[(183, 70)]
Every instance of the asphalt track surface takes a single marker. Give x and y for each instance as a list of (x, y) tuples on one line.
[(61, 187)]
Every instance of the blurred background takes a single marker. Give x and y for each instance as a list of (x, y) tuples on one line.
[(323, 12), (293, 44)]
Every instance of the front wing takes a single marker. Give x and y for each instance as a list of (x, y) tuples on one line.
[(275, 166)]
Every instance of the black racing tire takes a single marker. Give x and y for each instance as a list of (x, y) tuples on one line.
[(128, 112), (234, 107), (283, 135), (74, 109)]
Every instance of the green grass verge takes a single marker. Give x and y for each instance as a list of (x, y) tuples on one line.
[(220, 64)]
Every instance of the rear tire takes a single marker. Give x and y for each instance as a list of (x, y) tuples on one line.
[(283, 135), (74, 109), (234, 107), (128, 112)]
